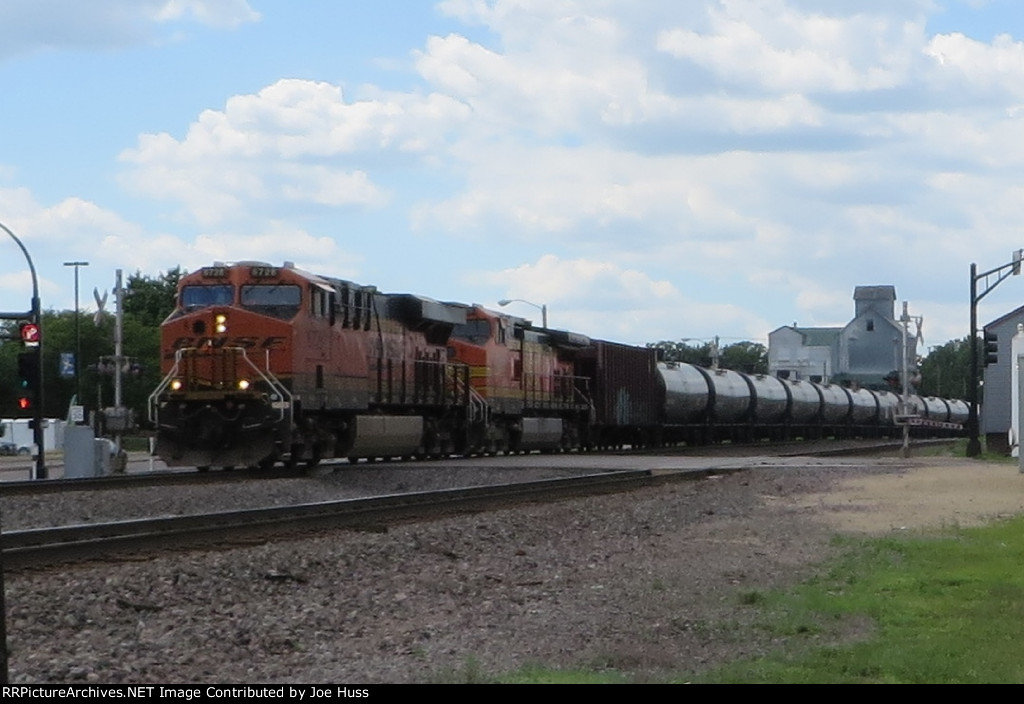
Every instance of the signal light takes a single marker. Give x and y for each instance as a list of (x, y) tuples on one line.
[(991, 348), (24, 403), (28, 369)]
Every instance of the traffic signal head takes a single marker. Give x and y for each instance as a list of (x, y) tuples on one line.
[(28, 370), (28, 379), (991, 348)]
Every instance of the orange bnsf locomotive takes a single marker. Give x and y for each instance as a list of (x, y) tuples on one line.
[(265, 363)]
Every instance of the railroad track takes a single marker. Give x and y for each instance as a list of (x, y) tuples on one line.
[(142, 538), (180, 478)]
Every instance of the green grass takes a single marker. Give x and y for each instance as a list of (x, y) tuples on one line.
[(958, 448), (946, 609)]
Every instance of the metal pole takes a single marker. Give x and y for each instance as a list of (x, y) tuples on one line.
[(905, 402), (118, 334), (973, 441), (1018, 359), (78, 335), (35, 315), (118, 362)]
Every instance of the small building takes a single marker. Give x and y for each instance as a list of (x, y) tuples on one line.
[(865, 352), (803, 353)]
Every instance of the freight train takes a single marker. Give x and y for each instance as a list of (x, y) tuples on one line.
[(272, 363)]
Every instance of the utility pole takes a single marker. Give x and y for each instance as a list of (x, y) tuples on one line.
[(120, 413), (78, 335), (1000, 273), (905, 319)]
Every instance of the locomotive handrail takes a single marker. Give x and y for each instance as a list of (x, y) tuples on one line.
[(268, 377), (151, 402), (479, 409)]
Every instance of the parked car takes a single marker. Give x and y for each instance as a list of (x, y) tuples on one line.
[(9, 448)]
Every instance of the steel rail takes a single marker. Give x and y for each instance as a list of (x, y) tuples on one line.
[(109, 540)]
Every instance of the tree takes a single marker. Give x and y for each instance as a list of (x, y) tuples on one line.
[(683, 352), (748, 357), (946, 371), (151, 300)]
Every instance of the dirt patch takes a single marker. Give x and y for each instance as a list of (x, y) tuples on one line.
[(931, 493)]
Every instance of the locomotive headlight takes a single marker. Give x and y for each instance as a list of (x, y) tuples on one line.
[(220, 323), (176, 385), (243, 384)]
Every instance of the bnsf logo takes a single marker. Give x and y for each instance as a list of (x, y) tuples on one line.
[(264, 343)]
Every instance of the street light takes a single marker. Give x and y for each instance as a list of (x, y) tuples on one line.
[(542, 307), (78, 335)]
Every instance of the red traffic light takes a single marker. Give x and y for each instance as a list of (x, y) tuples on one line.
[(30, 333), (24, 403)]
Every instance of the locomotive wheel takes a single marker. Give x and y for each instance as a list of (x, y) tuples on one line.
[(294, 456), (314, 457)]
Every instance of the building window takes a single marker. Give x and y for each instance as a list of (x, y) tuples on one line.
[(871, 325)]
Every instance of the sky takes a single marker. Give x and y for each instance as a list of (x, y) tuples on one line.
[(646, 169)]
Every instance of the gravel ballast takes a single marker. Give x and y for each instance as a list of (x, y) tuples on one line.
[(651, 583)]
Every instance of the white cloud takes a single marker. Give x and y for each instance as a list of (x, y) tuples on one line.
[(295, 140), (999, 65), (215, 13), (77, 229), (681, 158), (553, 279), (33, 25), (771, 45), (604, 299)]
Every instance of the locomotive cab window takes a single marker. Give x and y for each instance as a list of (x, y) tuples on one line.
[(476, 331), (275, 300), (194, 297)]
